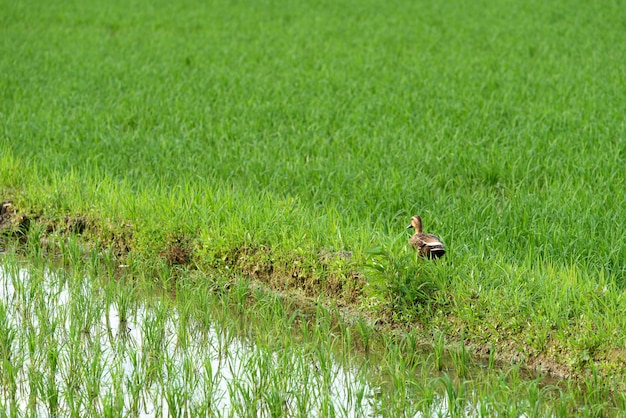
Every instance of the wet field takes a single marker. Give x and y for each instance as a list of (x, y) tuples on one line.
[(74, 346)]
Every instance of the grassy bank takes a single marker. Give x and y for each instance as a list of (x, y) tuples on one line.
[(274, 138)]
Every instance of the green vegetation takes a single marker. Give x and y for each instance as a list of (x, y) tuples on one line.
[(283, 141), (72, 345)]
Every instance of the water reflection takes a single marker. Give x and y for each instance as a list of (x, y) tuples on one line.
[(70, 350)]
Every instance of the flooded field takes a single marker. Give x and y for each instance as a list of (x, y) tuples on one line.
[(73, 346), (67, 348)]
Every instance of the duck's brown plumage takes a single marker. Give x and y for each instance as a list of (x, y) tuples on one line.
[(427, 245)]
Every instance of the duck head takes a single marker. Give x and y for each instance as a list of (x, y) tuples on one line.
[(416, 222)]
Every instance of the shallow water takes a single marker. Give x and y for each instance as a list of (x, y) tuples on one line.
[(67, 350), (72, 346)]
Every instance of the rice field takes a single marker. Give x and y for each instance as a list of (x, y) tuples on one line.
[(286, 145), (74, 345)]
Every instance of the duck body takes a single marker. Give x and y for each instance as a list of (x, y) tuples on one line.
[(427, 245)]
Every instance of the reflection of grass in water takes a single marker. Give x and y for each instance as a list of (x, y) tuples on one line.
[(247, 351), (157, 356)]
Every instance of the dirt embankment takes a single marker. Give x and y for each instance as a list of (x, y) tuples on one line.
[(290, 276), (12, 223)]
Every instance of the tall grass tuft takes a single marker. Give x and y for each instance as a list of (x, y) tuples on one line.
[(403, 283)]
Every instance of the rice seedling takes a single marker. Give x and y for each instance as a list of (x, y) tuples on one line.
[(461, 359), (439, 350)]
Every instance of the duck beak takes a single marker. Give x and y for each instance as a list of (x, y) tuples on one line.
[(410, 226)]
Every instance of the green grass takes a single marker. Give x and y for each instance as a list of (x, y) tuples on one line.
[(262, 136), (68, 350)]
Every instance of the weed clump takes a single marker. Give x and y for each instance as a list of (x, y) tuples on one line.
[(405, 285)]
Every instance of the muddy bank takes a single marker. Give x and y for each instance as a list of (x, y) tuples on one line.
[(331, 276)]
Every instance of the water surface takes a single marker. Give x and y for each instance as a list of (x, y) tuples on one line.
[(68, 349)]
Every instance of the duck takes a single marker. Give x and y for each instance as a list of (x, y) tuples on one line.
[(427, 245)]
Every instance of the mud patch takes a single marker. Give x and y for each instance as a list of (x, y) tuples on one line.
[(13, 223), (76, 225), (178, 251), (545, 364), (330, 273)]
